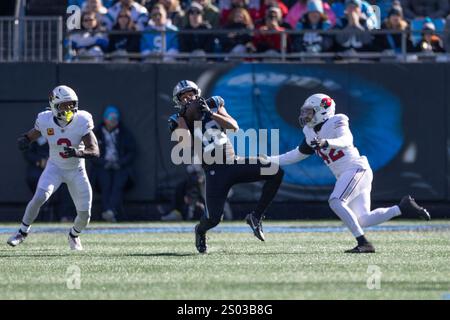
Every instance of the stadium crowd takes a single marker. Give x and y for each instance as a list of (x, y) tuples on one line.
[(256, 26)]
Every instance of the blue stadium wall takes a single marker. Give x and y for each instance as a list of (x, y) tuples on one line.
[(398, 115)]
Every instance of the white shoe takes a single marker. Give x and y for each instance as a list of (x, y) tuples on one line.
[(109, 216), (16, 239), (75, 243)]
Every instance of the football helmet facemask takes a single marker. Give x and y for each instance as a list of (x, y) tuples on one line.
[(63, 103), (317, 109)]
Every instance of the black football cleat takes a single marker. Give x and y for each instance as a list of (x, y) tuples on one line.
[(200, 241), (409, 206), (364, 248), (256, 226)]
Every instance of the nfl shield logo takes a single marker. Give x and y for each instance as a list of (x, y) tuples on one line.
[(50, 131)]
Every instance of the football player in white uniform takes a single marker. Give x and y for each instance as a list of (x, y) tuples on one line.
[(70, 138), (329, 136)]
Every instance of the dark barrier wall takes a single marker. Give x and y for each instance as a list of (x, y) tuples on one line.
[(398, 114)]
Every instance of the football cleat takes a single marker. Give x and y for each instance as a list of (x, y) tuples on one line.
[(409, 206), (74, 243), (16, 238), (200, 241), (256, 226), (365, 248)]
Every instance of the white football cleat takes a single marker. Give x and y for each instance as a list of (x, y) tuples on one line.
[(75, 243), (16, 239)]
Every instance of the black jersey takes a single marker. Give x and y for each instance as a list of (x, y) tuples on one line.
[(215, 145)]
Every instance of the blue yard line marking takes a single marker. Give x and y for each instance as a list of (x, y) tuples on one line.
[(231, 229)]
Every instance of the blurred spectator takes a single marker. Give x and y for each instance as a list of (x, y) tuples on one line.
[(392, 43), (60, 205), (90, 41), (273, 3), (313, 19), (299, 9), (120, 44), (354, 24), (97, 7), (174, 12), (253, 7), (340, 6), (81, 3), (138, 14), (430, 41), (189, 201), (419, 9), (270, 43), (196, 43), (151, 42), (112, 172), (211, 13), (239, 39)]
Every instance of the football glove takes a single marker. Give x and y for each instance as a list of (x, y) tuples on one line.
[(72, 152), (202, 105), (319, 143), (23, 142)]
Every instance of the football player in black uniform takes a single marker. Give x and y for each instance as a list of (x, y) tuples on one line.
[(220, 175)]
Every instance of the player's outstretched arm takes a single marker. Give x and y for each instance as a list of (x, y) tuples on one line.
[(24, 140), (290, 157)]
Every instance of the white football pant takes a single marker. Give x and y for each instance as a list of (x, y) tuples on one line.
[(79, 188), (350, 200)]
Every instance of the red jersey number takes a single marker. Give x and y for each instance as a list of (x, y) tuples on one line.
[(332, 155), (65, 142)]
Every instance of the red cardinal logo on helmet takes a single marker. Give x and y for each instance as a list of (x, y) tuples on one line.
[(326, 102)]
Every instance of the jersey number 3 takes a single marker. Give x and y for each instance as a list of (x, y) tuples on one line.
[(65, 142), (332, 155)]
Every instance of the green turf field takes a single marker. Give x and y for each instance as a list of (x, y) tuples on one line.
[(300, 265)]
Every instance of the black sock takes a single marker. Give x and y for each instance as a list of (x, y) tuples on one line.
[(72, 235), (361, 240), (206, 224), (23, 233), (269, 191)]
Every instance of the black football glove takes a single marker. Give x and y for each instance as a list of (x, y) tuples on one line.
[(203, 106), (72, 152), (319, 144), (23, 142)]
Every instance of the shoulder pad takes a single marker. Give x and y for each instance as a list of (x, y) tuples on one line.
[(215, 102), (85, 115), (339, 120), (339, 117), (173, 122)]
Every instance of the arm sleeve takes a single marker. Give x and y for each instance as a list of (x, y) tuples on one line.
[(37, 124), (290, 157), (344, 136)]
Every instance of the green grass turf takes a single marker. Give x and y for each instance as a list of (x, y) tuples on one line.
[(414, 265)]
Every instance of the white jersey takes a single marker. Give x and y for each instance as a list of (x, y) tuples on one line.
[(60, 137), (341, 155)]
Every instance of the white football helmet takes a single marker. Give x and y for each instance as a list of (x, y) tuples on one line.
[(317, 108), (63, 94), (182, 87)]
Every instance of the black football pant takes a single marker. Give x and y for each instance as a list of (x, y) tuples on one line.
[(221, 177)]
